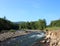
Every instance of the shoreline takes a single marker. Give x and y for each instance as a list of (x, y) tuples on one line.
[(8, 35), (3, 42), (52, 39)]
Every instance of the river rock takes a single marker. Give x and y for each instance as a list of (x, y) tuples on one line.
[(6, 35), (53, 37)]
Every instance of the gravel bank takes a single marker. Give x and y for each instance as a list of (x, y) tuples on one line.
[(7, 35)]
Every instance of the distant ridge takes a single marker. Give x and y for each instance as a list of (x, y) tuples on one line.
[(18, 22)]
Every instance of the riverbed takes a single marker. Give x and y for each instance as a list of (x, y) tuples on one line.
[(24, 40)]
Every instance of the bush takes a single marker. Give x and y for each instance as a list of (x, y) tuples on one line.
[(12, 30)]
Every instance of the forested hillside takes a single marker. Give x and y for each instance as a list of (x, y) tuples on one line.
[(7, 25), (34, 25), (55, 23), (40, 25)]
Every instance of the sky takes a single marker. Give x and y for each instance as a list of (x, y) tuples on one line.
[(30, 10)]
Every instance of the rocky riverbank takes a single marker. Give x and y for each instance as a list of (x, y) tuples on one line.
[(52, 39), (7, 35)]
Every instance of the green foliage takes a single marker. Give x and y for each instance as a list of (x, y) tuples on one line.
[(55, 23), (40, 24), (52, 28), (7, 25), (12, 30)]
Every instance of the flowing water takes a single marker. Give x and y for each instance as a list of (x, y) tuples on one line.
[(25, 40)]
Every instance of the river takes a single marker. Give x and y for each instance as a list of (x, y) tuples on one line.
[(25, 40)]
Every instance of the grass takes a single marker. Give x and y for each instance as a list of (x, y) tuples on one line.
[(52, 28), (12, 30)]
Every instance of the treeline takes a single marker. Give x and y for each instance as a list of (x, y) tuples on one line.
[(40, 25), (55, 23), (7, 25)]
